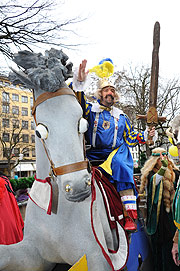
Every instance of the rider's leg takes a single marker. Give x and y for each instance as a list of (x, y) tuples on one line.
[(130, 209)]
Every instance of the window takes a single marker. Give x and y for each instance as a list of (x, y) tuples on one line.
[(15, 110), (16, 152), (21, 86), (24, 99), (5, 108), (15, 123), (31, 101), (33, 152), (6, 152), (5, 97), (24, 111), (24, 124), (5, 137), (26, 152), (25, 138), (33, 138), (5, 123), (6, 83), (32, 125), (15, 97), (16, 138)]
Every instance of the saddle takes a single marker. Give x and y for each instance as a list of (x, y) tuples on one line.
[(111, 197), (116, 258)]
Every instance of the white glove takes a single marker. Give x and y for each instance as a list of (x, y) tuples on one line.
[(146, 135), (80, 85)]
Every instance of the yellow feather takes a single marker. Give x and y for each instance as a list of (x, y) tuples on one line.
[(106, 69)]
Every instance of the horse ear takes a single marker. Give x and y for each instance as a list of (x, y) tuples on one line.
[(20, 78)]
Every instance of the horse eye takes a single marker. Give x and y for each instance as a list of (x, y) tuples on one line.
[(42, 131), (82, 126)]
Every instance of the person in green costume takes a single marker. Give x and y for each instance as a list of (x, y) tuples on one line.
[(176, 217), (159, 177)]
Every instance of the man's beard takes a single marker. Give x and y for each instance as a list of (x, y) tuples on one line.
[(112, 99)]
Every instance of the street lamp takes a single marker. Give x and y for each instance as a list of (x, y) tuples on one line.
[(20, 159)]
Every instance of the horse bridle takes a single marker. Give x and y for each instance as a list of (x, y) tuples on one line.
[(66, 168)]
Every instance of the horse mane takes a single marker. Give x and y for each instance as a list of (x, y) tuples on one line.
[(47, 72)]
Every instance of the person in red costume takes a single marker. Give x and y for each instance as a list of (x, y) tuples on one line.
[(11, 222)]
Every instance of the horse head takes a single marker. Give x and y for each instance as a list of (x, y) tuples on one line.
[(58, 119)]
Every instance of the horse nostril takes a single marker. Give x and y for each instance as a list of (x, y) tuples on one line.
[(68, 188)]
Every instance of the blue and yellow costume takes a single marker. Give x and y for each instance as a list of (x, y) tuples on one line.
[(110, 135)]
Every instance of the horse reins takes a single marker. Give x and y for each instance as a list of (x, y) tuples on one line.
[(66, 168)]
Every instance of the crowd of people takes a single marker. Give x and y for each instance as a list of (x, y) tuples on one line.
[(110, 136)]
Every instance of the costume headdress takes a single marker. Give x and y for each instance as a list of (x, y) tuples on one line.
[(104, 83), (104, 70)]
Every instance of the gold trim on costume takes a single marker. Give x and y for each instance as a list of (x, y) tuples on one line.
[(107, 164), (160, 195)]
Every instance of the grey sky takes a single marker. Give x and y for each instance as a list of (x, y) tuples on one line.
[(123, 31)]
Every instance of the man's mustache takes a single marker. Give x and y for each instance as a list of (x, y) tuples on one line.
[(110, 96)]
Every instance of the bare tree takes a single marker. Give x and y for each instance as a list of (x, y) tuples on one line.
[(27, 23), (134, 86), (12, 141)]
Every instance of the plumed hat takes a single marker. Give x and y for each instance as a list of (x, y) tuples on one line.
[(104, 69), (102, 83)]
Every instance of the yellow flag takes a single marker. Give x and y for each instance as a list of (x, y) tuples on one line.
[(81, 265)]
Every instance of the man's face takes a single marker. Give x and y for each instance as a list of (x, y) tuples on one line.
[(108, 94), (162, 156)]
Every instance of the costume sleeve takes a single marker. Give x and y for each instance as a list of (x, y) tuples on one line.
[(132, 137), (154, 197), (80, 85), (177, 178), (83, 102)]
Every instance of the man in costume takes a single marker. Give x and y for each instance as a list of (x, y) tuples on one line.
[(159, 177), (11, 222), (110, 135)]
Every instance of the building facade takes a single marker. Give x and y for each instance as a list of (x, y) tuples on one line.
[(16, 130)]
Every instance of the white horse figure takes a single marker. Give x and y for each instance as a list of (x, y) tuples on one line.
[(65, 235)]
